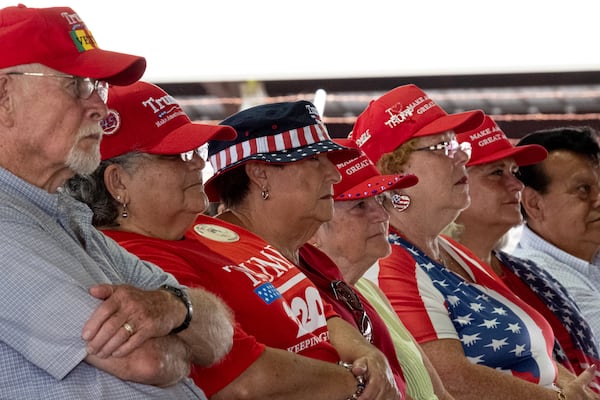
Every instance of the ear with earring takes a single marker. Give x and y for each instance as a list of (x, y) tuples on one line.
[(400, 201)]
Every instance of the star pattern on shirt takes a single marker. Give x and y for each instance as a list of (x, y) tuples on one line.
[(497, 344), (514, 328), (518, 350), (469, 340), (499, 311), (267, 292), (429, 266), (453, 300), (476, 360), (441, 283), (464, 319), (489, 323), (557, 299), (490, 331)]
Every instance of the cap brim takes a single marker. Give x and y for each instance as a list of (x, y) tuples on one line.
[(115, 68), (335, 152), (376, 185), (460, 122), (191, 136), (523, 155)]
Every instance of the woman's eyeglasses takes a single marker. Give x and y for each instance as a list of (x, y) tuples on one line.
[(450, 148), (187, 156), (201, 151), (346, 294), (84, 88)]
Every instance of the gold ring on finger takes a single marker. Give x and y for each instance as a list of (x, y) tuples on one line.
[(129, 328)]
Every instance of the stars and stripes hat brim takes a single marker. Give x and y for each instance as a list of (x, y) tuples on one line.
[(275, 133)]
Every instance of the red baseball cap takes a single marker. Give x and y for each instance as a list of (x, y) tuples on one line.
[(143, 117), (361, 179), (57, 38), (404, 113), (489, 144)]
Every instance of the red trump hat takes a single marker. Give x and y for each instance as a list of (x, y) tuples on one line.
[(58, 38), (143, 117), (404, 113), (489, 143)]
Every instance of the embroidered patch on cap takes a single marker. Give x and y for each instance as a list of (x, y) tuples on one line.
[(111, 123)]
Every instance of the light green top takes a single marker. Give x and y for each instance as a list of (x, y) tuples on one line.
[(418, 382)]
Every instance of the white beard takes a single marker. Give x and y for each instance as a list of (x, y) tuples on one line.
[(84, 162)]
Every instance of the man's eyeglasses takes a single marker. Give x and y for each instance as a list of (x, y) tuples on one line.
[(450, 148), (345, 294), (85, 86)]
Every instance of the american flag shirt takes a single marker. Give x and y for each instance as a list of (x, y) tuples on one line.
[(576, 346), (494, 326)]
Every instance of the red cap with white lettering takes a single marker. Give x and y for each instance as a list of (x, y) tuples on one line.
[(58, 38), (489, 144), (404, 113), (361, 179), (143, 117)]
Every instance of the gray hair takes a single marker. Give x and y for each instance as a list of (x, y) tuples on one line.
[(91, 189)]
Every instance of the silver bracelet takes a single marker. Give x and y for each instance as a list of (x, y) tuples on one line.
[(361, 383)]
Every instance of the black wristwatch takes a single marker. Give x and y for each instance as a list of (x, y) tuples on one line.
[(181, 295)]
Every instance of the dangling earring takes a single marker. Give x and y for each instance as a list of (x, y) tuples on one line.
[(124, 214), (264, 194), (400, 202)]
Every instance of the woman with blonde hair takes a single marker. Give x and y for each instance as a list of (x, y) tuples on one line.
[(483, 340)]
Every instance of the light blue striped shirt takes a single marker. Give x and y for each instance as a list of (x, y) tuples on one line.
[(50, 255), (580, 277)]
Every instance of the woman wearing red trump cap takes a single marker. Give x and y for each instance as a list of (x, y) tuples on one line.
[(355, 238), (495, 208), (148, 194), (482, 339)]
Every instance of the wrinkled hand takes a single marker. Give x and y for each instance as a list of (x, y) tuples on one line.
[(379, 377), (578, 388), (147, 313)]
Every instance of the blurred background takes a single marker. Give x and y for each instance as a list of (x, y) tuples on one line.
[(530, 64)]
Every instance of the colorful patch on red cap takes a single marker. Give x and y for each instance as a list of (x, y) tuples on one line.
[(111, 123)]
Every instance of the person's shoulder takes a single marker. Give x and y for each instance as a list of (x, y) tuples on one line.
[(523, 251)]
